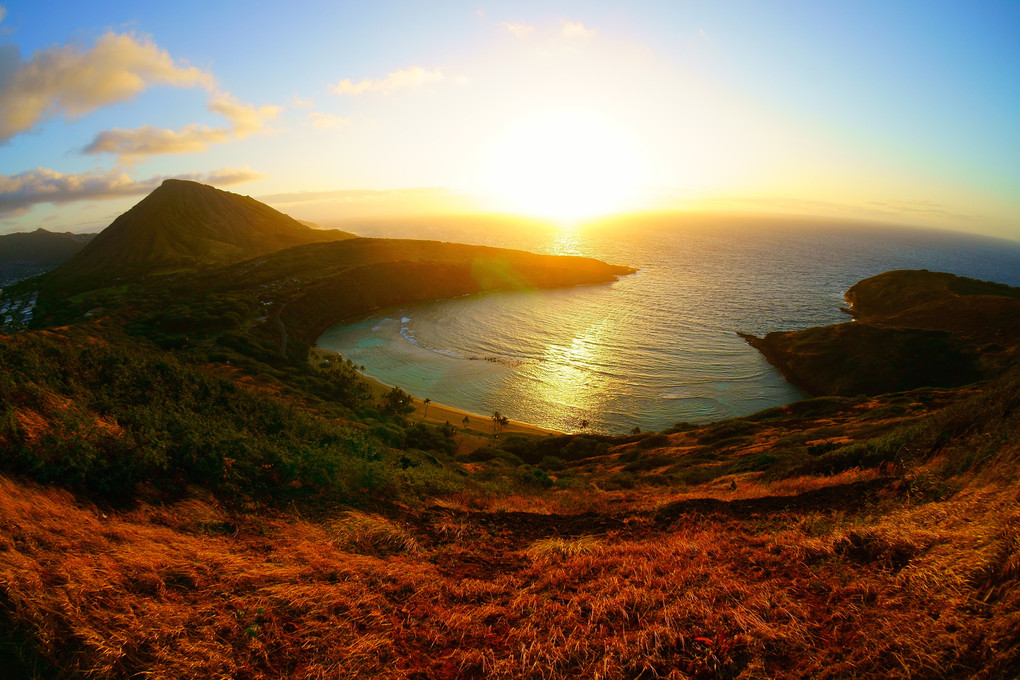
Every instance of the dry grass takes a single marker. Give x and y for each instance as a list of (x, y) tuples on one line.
[(558, 549), (371, 534), (189, 591)]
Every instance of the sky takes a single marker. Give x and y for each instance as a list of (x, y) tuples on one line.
[(902, 112)]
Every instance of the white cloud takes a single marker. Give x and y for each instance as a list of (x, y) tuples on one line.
[(327, 121), (131, 145), (517, 29), (223, 177), (402, 79), (575, 29), (354, 195), (139, 143), (702, 33), (3, 12), (297, 102), (73, 82), (244, 119), (42, 185)]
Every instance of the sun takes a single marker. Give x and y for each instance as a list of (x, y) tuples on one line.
[(564, 166)]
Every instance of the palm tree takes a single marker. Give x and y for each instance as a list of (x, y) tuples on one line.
[(426, 403), (499, 423)]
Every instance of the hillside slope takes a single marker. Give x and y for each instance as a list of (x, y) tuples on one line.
[(361, 275), (299, 292), (198, 513), (184, 222), (229, 554)]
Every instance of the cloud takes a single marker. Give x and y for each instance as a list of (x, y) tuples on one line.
[(244, 119), (354, 195), (223, 177), (70, 81), (879, 210), (920, 206), (517, 29), (131, 145), (297, 102), (42, 185), (702, 33), (138, 143), (412, 77), (326, 121), (575, 29), (3, 12)]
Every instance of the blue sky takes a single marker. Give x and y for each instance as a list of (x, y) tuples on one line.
[(901, 112)]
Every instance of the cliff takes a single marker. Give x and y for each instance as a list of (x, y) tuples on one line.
[(911, 328)]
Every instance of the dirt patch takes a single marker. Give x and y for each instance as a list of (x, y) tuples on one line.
[(516, 529)]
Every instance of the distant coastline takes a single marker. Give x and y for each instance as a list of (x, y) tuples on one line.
[(654, 349)]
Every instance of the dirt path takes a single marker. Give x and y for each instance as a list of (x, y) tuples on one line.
[(521, 528)]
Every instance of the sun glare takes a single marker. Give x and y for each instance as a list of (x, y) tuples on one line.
[(565, 167)]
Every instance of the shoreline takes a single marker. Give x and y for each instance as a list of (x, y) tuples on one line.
[(478, 424)]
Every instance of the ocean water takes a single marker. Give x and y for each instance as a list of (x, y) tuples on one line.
[(657, 347)]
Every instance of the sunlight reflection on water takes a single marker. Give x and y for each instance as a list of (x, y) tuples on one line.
[(656, 347)]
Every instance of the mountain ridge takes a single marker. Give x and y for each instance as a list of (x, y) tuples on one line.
[(41, 247), (187, 223)]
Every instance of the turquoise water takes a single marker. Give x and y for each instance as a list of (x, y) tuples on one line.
[(656, 347)]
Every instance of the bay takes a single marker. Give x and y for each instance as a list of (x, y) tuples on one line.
[(657, 347)]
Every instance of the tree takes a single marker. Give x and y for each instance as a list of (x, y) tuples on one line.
[(499, 423), (348, 386), (426, 403), (398, 402), (448, 430)]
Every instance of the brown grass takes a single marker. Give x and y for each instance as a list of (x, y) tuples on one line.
[(191, 591)]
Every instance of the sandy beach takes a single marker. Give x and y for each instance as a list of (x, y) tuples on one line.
[(477, 424)]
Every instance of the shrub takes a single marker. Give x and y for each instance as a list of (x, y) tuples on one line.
[(727, 429), (552, 463), (533, 477), (653, 441), (648, 463)]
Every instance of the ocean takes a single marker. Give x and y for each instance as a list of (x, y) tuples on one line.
[(657, 347)]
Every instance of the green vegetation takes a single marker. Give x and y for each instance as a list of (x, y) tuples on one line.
[(110, 418), (397, 402)]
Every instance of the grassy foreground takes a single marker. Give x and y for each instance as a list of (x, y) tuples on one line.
[(894, 553), (178, 499)]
